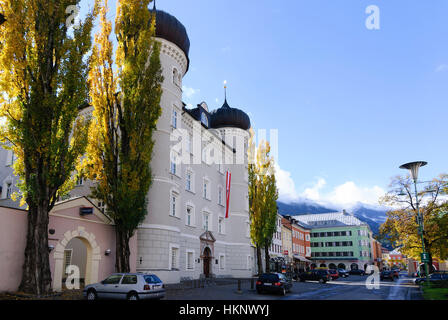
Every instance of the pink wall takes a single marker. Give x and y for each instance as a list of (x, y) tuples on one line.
[(13, 226), (13, 236)]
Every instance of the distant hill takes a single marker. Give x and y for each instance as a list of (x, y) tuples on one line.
[(299, 208), (374, 216)]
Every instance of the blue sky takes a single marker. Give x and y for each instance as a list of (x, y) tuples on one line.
[(350, 104)]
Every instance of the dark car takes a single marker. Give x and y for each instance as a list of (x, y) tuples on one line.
[(433, 277), (274, 282), (387, 274), (358, 272), (334, 274), (343, 273), (396, 273), (321, 275)]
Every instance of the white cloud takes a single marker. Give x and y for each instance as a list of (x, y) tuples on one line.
[(345, 195), (442, 67), (190, 92), (313, 192), (349, 194), (285, 184)]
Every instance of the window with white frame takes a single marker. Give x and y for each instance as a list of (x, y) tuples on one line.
[(8, 190), (174, 204), (206, 220), (174, 257), (190, 260), (80, 180), (9, 158), (220, 195), (174, 118), (101, 205), (189, 180), (173, 162), (249, 263), (189, 216), (206, 189), (175, 76), (307, 237), (221, 225), (222, 262), (188, 144)]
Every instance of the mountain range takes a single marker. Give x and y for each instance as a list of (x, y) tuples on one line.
[(374, 216)]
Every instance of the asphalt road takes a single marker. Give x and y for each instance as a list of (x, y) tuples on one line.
[(351, 288), (355, 288)]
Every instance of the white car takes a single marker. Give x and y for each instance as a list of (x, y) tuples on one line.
[(130, 286)]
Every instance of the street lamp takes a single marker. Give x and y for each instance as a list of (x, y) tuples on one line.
[(413, 169)]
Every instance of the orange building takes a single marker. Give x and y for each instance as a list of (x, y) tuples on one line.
[(301, 245), (377, 253)]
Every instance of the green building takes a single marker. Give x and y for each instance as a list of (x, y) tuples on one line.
[(339, 240)]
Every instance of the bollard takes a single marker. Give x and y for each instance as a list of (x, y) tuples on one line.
[(239, 287)]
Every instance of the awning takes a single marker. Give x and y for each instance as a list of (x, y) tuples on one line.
[(296, 256)]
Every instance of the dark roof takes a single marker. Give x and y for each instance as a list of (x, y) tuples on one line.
[(227, 116), (170, 29)]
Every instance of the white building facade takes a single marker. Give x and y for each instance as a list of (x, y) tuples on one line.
[(186, 234)]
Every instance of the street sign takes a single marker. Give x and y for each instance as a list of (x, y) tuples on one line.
[(83, 211), (425, 257)]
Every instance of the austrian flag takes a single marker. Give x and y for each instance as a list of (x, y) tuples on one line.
[(228, 178)]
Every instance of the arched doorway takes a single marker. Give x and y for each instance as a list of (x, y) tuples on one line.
[(92, 257), (207, 256), (354, 266), (323, 265), (341, 266), (331, 266), (75, 254)]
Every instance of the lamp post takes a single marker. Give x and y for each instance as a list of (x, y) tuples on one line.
[(413, 169)]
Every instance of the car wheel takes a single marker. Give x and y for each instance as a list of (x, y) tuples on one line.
[(301, 280), (132, 296), (259, 291), (91, 295), (321, 281)]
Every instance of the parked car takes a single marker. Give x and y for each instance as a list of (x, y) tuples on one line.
[(334, 274), (396, 273), (343, 273), (433, 277), (321, 275), (358, 272), (130, 286), (274, 282), (387, 274)]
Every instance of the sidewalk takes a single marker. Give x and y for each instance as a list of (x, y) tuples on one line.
[(223, 289)]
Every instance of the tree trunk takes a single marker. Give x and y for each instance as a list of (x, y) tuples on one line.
[(122, 251), (36, 274), (267, 259), (259, 262)]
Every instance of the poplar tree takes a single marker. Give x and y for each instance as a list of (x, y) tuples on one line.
[(126, 105), (263, 195), (43, 74)]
